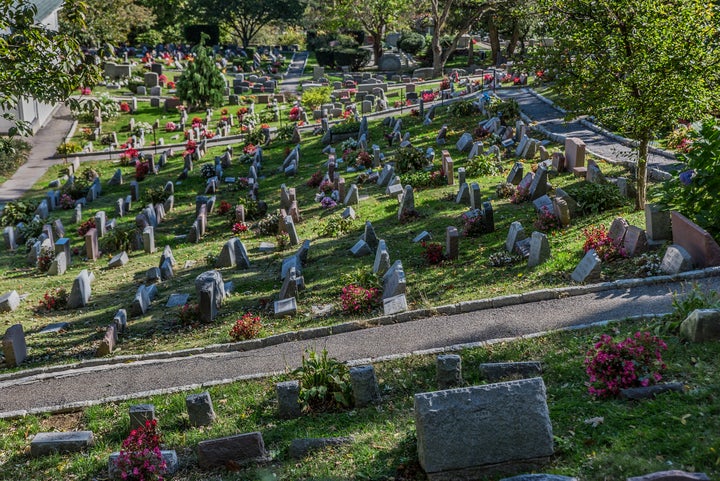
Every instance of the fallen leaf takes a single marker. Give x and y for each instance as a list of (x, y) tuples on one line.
[(595, 422), (683, 419)]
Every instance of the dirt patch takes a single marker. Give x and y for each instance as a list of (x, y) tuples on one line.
[(63, 422)]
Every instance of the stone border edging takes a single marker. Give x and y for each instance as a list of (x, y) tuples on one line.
[(324, 331)]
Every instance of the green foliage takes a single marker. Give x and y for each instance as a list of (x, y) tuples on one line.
[(508, 110), (482, 165), (292, 36), (312, 98), (118, 239), (201, 85), (351, 57), (324, 382), (70, 147), (14, 157), (76, 190), (462, 108), (156, 195), (411, 42), (17, 211), (336, 226), (345, 127), (505, 190), (692, 297), (361, 277), (695, 192), (424, 178), (108, 106), (409, 159), (595, 198), (267, 225)]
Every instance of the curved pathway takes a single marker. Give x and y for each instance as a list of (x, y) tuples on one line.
[(603, 145), (78, 386)]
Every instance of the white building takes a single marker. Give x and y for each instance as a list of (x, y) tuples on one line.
[(30, 110)]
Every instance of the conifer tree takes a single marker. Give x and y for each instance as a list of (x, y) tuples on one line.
[(202, 84)]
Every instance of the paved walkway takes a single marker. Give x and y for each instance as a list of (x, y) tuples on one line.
[(44, 145), (80, 386), (604, 146), (292, 77)]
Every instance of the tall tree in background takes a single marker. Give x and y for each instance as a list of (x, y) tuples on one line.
[(245, 18), (106, 21), (38, 63), (636, 65)]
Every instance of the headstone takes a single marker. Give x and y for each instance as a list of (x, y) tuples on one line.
[(364, 386), (452, 243), (63, 245), (588, 270), (210, 291), (233, 254), (457, 429), (9, 301), (134, 191), (703, 249), (538, 188), (77, 214), (285, 307), (290, 229), (617, 231), (676, 260), (657, 223), (139, 413), (635, 241), (448, 371), (44, 444), (81, 290), (475, 196), (574, 153), (369, 236), (237, 450), (463, 196), (465, 142), (702, 325), (516, 174), (382, 259), (107, 345), (353, 196), (361, 248), (120, 320), (9, 237), (539, 249), (13, 345), (395, 305), (58, 266), (407, 205), (674, 475), (515, 234), (288, 396), (200, 409)]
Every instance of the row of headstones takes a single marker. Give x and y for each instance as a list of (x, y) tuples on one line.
[(536, 248), (293, 281)]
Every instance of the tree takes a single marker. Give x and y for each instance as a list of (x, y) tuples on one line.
[(38, 63), (201, 85), (512, 18), (454, 17), (245, 18), (636, 65), (107, 22)]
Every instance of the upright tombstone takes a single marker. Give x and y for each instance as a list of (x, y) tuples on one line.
[(382, 259), (516, 233), (13, 345), (407, 205), (91, 245), (9, 237), (516, 174), (200, 409), (81, 290), (9, 301), (100, 223), (457, 429), (538, 188), (676, 260), (657, 223), (701, 246), (574, 153), (452, 243), (539, 249), (448, 371), (588, 270), (288, 396), (364, 386), (140, 413), (149, 239), (210, 291)]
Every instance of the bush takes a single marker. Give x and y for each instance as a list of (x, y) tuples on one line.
[(345, 127), (684, 303), (598, 238), (247, 327), (54, 299), (86, 226), (155, 195), (462, 108), (324, 382), (505, 190), (411, 42), (11, 160), (595, 198), (268, 225), (17, 211), (67, 148), (202, 84), (435, 178), (118, 239), (473, 223), (634, 362), (695, 191), (509, 110), (409, 159), (315, 180), (45, 259), (324, 57), (336, 226), (352, 57), (432, 253), (189, 313), (313, 98), (140, 457), (482, 165)]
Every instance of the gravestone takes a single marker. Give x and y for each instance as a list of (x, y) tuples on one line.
[(176, 300), (139, 413), (118, 260), (81, 290), (382, 259), (516, 174), (448, 371), (9, 301), (673, 475), (13, 345), (452, 243), (395, 305), (617, 230), (107, 344), (290, 229), (233, 254), (539, 249), (457, 429), (703, 249), (77, 214), (394, 282), (285, 307), (361, 248), (463, 195), (288, 396), (200, 409), (702, 325), (407, 204), (210, 291), (676, 260), (538, 188), (475, 196), (465, 142), (588, 270), (58, 266), (141, 302), (120, 320), (353, 196), (657, 223), (635, 241), (516, 233), (9, 237), (149, 240), (369, 235), (574, 153), (44, 444), (364, 386), (237, 450)]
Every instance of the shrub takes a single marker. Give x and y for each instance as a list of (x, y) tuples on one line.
[(86, 226), (434, 178), (315, 180), (207, 171), (336, 226), (247, 327), (462, 108), (433, 253), (66, 202), (547, 220), (141, 170), (409, 159), (695, 191), (17, 211), (522, 194), (282, 241), (54, 299), (189, 313), (118, 239), (324, 382), (67, 148), (598, 238), (239, 228), (11, 160), (76, 190), (595, 198), (268, 225), (503, 258), (347, 126), (684, 303), (364, 160), (156, 195), (202, 84), (482, 165), (473, 223), (140, 458), (355, 298), (224, 207), (634, 362), (45, 258), (505, 190), (313, 98), (509, 110), (352, 57), (411, 42)]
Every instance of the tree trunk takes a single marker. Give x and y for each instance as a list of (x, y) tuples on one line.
[(471, 53), (513, 40), (377, 46), (494, 40), (437, 55), (642, 171)]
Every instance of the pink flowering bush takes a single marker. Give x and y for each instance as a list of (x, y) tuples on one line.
[(247, 327), (547, 220), (634, 362), (598, 238), (140, 457), (521, 195), (356, 298)]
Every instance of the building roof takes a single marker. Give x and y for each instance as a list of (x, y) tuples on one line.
[(45, 8)]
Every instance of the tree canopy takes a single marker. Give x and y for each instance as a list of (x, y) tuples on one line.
[(636, 65), (107, 22)]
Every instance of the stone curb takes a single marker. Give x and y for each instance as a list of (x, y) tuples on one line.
[(319, 332), (76, 406)]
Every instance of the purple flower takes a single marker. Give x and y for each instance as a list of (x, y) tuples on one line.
[(687, 176)]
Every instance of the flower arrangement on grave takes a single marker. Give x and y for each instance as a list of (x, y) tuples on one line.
[(428, 96), (142, 169), (239, 228), (171, 127), (162, 79), (517, 80), (445, 83), (294, 113), (170, 85), (196, 122), (547, 220), (189, 314), (45, 259), (432, 253), (364, 160), (598, 238), (247, 327), (54, 299), (243, 182), (249, 149), (414, 113), (503, 258), (328, 203), (207, 171), (326, 187), (356, 298), (504, 190), (140, 458), (145, 127), (224, 207), (207, 134), (522, 194), (506, 78), (315, 180), (124, 107), (422, 178), (86, 226), (282, 241), (473, 223), (190, 148), (634, 362), (487, 78), (66, 202), (129, 155)]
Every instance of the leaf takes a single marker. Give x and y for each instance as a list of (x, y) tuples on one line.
[(683, 419), (595, 422)]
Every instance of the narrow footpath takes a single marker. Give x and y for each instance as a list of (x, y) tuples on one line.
[(78, 386)]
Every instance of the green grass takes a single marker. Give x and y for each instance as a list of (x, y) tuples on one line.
[(673, 431), (467, 278)]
